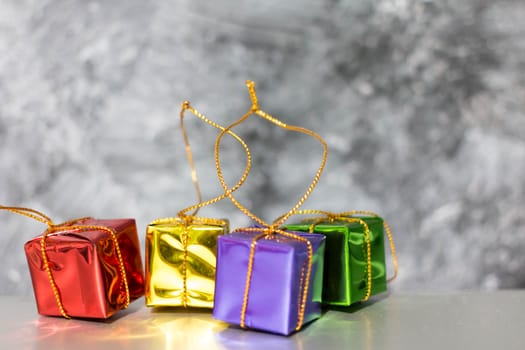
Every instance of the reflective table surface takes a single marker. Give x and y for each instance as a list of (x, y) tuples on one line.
[(467, 320)]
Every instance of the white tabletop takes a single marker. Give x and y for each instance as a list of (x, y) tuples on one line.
[(467, 320)]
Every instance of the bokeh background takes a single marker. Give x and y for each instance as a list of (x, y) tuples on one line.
[(421, 103)]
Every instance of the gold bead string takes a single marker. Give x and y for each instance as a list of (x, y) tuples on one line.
[(54, 286), (189, 219), (257, 111), (69, 226), (187, 224), (30, 213), (189, 154), (195, 220), (187, 107), (266, 228)]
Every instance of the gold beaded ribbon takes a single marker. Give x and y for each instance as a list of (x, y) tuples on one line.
[(267, 230), (71, 225), (188, 219), (350, 216)]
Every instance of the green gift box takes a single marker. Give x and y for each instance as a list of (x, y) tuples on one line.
[(346, 257)]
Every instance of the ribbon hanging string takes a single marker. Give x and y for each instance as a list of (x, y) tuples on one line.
[(188, 219)]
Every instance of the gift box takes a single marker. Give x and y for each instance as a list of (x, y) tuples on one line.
[(346, 266), (277, 283), (181, 260), (86, 268)]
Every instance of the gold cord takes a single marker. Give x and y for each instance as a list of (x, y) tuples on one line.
[(187, 224), (186, 106), (255, 110), (186, 219), (68, 226), (30, 213), (270, 229), (189, 155)]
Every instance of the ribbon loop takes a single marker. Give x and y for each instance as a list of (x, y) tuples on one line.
[(251, 89), (189, 219), (30, 213), (187, 107)]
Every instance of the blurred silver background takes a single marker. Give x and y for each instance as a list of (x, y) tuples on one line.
[(421, 102)]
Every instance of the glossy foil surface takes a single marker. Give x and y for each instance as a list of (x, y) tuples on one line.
[(166, 268), (276, 284), (86, 269), (345, 269)]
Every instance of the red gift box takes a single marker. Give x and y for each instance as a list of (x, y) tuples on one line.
[(85, 274)]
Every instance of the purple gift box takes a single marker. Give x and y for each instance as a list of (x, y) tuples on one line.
[(277, 280)]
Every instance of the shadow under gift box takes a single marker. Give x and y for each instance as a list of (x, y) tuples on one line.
[(345, 267), (167, 264), (277, 281), (86, 269)]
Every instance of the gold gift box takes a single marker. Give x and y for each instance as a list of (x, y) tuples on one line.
[(181, 260)]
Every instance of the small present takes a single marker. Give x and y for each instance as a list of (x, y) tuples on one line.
[(181, 251), (276, 287), (91, 268), (354, 264), (180, 261), (267, 278)]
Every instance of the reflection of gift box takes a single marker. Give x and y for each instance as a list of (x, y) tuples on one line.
[(86, 269), (180, 261), (345, 267), (278, 278)]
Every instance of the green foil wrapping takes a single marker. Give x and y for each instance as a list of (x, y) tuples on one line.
[(345, 267)]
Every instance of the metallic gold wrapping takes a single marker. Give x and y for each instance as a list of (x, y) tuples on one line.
[(181, 261)]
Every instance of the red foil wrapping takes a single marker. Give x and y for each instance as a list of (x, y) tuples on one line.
[(86, 269)]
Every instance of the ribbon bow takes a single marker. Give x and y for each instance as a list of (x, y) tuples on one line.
[(349, 216), (266, 229), (70, 225)]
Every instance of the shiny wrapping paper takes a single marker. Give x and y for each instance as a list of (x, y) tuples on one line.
[(86, 269), (276, 283), (345, 268), (168, 263)]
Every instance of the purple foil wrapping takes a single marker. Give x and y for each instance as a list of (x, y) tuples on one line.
[(276, 283)]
